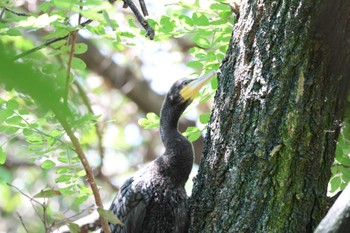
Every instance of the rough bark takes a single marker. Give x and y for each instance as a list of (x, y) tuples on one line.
[(276, 118)]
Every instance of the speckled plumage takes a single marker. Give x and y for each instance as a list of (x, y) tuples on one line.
[(154, 199)]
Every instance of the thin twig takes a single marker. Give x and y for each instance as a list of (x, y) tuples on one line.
[(44, 206), (15, 12), (47, 43), (89, 172), (21, 219), (38, 130), (98, 130), (71, 55), (2, 12), (24, 194), (83, 213)]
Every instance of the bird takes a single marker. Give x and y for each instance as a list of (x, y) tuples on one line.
[(154, 200)]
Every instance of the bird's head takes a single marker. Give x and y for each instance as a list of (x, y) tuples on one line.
[(180, 95), (185, 90)]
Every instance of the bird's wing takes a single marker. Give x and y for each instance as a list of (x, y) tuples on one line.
[(130, 206)]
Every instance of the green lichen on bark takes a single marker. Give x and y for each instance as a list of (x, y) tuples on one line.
[(266, 161)]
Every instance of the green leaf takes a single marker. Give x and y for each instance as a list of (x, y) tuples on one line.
[(345, 171), (201, 41), (84, 190), (80, 200), (57, 216), (340, 156), (151, 121), (186, 22), (62, 170), (195, 64), (12, 104), (226, 14), (204, 118), (109, 216), (218, 22), (80, 48), (11, 130), (4, 114), (14, 120), (127, 34), (48, 164), (73, 227), (81, 173), (214, 83), (69, 190), (78, 64), (63, 178), (13, 32), (167, 24), (44, 7), (34, 139), (64, 3), (200, 19), (335, 183), (47, 193), (192, 133), (220, 7), (343, 185), (63, 159), (2, 156)]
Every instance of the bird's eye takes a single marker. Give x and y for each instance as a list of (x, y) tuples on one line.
[(187, 81)]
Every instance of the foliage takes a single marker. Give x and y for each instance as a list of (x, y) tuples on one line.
[(341, 167), (43, 41), (210, 28), (49, 77)]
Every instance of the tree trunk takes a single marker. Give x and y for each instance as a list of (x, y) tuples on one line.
[(276, 117)]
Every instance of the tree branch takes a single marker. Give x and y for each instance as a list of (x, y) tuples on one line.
[(86, 165), (47, 43)]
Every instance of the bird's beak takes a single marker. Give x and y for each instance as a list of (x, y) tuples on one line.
[(190, 91)]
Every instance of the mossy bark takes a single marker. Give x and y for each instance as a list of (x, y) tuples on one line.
[(276, 117)]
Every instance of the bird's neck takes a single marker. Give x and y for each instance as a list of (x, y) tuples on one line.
[(178, 155), (169, 119)]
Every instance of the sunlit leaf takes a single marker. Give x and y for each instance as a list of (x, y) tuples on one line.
[(200, 19), (204, 118), (80, 48), (63, 178), (220, 6), (151, 121), (195, 64), (73, 227), (201, 41), (78, 64), (48, 164), (14, 120), (167, 24), (186, 22), (47, 193), (214, 83), (81, 173), (335, 183), (5, 113), (12, 104), (109, 216), (192, 133), (2, 156), (80, 200)]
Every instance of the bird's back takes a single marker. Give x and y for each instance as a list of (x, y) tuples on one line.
[(150, 203)]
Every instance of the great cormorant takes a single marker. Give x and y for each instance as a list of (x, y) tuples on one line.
[(154, 199)]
